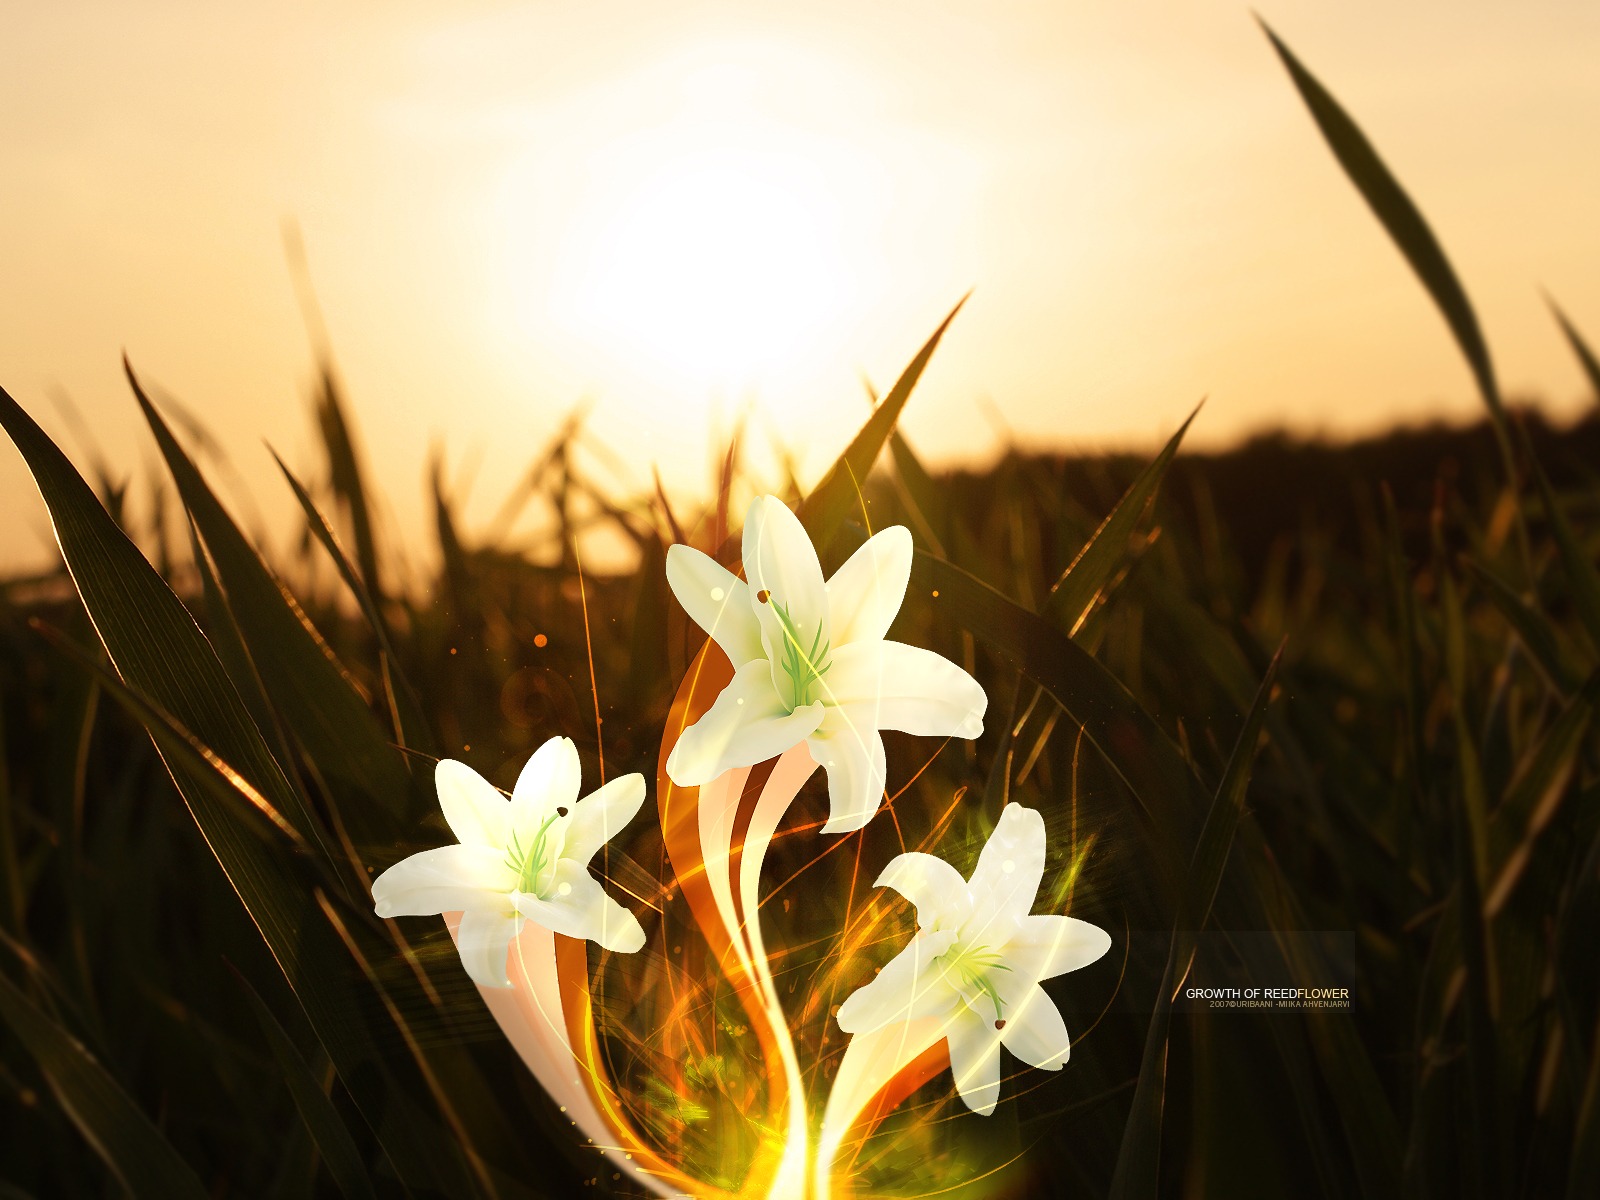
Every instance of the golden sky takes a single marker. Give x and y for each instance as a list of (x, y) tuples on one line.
[(680, 211)]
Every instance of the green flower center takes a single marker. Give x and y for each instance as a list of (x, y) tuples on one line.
[(802, 665), (972, 968), (529, 864)]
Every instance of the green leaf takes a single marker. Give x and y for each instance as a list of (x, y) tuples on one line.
[(1074, 594), (1139, 1156), (1591, 365), (1401, 218), (322, 1120), (144, 1163), (313, 695), (830, 502)]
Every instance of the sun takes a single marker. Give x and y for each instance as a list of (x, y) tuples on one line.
[(693, 226), (727, 264)]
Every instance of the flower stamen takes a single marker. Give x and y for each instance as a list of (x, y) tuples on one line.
[(804, 668)]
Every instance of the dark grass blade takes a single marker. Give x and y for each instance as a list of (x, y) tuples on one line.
[(176, 743), (1541, 785), (1139, 1156), (832, 500), (1169, 795), (152, 639), (1582, 577), (326, 1126), (157, 648), (1080, 585), (1586, 358), (1583, 1178), (411, 726), (344, 466), (1401, 218), (312, 694), (143, 1161), (1533, 629)]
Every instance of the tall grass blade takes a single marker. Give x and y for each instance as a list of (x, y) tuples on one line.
[(1582, 577), (832, 500), (344, 468), (1074, 594), (322, 1119), (157, 648), (311, 692), (1401, 218), (143, 1161), (1139, 1156), (1580, 347), (411, 726)]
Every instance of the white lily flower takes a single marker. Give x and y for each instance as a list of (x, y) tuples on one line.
[(526, 858), (978, 957), (811, 663)]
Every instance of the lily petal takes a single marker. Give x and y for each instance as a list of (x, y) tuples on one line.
[(445, 879), (600, 816), (473, 807), (1006, 880), (852, 755), (1046, 946), (909, 986), (781, 567), (975, 1059), (548, 781), (1034, 1030), (894, 686), (865, 594), (483, 940), (717, 600), (747, 724), (579, 907), (930, 883)]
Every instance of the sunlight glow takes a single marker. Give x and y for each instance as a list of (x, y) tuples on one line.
[(692, 226), (726, 265)]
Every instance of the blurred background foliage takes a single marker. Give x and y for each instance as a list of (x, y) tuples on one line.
[(1291, 687)]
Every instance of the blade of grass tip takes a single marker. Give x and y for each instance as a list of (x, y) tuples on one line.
[(411, 727), (1405, 224), (1591, 365), (1139, 1155), (1411, 234), (826, 508), (1074, 594), (322, 1119), (1582, 577), (314, 696), (126, 1140)]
